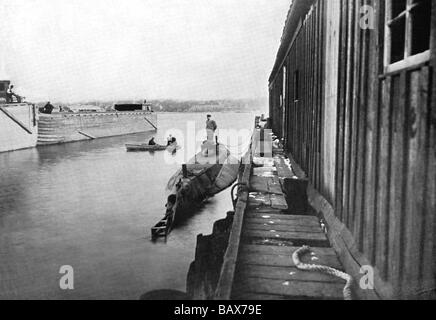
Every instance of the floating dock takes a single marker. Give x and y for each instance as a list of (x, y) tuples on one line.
[(266, 231), (18, 126), (67, 127)]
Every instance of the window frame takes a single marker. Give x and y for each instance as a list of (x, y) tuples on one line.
[(296, 85), (284, 86), (409, 60)]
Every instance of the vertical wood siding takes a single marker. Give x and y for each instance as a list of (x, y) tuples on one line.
[(366, 139)]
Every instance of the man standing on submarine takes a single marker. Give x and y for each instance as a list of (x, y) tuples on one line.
[(211, 127)]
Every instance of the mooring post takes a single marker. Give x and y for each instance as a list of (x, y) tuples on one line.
[(217, 153), (185, 170), (262, 143)]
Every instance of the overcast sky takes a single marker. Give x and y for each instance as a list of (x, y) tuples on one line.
[(73, 50)]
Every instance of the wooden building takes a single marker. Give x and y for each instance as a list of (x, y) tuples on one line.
[(352, 93)]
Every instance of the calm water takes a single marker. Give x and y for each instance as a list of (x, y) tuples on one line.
[(91, 205)]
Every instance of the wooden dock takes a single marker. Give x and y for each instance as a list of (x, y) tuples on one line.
[(266, 231)]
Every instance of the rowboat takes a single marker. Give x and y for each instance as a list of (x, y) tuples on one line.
[(145, 147), (211, 171)]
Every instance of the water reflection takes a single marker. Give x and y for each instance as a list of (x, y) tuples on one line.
[(91, 205)]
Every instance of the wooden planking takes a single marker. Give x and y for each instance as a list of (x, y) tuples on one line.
[(372, 137), (378, 161), (348, 113), (282, 222), (354, 121), (266, 184), (257, 297), (299, 238), (321, 89), (225, 282), (331, 78), (264, 171), (274, 201), (429, 249), (284, 260), (266, 210), (249, 225), (396, 198), (294, 289), (303, 62), (416, 127), (282, 169), (315, 85), (272, 250), (361, 105), (287, 274), (305, 44), (270, 215), (313, 45), (341, 110), (384, 158), (342, 241), (269, 264)]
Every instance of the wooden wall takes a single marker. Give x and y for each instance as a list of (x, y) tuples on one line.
[(366, 139), (276, 110), (331, 78), (304, 96)]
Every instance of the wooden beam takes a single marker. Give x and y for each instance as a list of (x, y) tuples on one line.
[(225, 282), (291, 289), (344, 244), (86, 135), (151, 123)]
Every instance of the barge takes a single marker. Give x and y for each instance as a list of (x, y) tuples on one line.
[(18, 123), (22, 125), (67, 127)]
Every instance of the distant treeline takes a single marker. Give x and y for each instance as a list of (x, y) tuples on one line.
[(237, 105), (212, 105)]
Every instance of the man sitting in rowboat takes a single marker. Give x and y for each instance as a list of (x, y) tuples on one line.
[(169, 140), (151, 142)]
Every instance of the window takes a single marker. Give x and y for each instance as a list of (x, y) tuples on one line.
[(408, 25), (296, 85), (2, 87), (284, 86)]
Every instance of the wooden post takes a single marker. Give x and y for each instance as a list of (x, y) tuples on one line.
[(151, 123), (262, 143), (86, 135), (185, 171), (217, 153), (34, 115)]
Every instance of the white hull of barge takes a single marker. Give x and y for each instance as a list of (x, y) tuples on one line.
[(68, 127), (18, 126)]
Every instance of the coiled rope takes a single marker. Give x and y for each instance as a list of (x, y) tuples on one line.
[(296, 257)]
